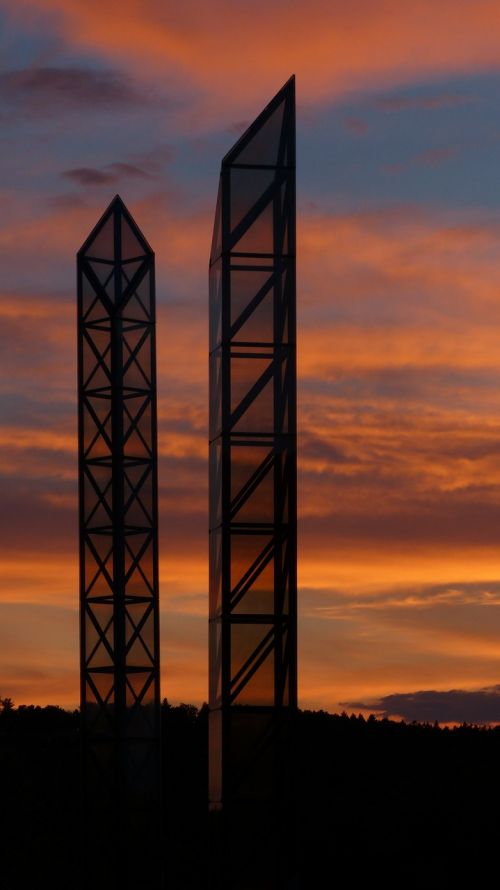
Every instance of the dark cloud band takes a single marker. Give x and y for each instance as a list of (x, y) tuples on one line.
[(455, 706), (54, 88)]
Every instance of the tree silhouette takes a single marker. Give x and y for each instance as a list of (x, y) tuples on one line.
[(412, 803)]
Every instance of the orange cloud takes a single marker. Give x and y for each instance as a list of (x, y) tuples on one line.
[(26, 438), (375, 645), (402, 263), (399, 473), (333, 47)]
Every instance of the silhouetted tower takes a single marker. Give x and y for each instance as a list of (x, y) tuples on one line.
[(253, 515), (119, 554)]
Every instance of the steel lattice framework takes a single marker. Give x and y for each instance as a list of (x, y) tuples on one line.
[(253, 525), (119, 552)]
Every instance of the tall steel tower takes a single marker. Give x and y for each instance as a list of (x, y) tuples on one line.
[(120, 670), (253, 514)]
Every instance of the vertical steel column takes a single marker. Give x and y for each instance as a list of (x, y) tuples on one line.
[(253, 515), (118, 509)]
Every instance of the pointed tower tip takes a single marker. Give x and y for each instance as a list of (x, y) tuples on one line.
[(288, 85), (283, 99), (117, 217)]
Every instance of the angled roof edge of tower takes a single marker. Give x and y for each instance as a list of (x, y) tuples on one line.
[(116, 202), (135, 228), (288, 87)]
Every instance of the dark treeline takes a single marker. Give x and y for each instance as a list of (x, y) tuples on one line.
[(413, 803)]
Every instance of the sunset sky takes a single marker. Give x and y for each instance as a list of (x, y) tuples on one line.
[(399, 324)]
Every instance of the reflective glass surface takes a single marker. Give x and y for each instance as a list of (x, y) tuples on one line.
[(103, 243), (264, 146), (252, 452)]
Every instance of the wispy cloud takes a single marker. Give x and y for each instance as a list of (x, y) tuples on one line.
[(433, 102), (398, 599), (432, 157), (49, 89), (112, 173), (334, 49), (356, 126)]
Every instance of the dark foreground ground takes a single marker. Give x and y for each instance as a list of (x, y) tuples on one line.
[(410, 805)]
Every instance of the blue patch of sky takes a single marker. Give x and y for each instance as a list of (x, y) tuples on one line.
[(41, 151), (341, 168), (363, 153), (20, 46), (197, 162), (39, 146), (352, 155)]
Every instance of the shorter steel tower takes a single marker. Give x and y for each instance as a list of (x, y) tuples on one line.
[(253, 515), (120, 696)]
